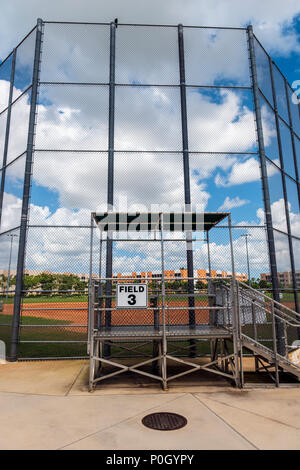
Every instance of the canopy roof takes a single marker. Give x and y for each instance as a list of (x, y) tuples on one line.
[(151, 221)]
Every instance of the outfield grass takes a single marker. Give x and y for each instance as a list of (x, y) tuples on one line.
[(47, 299), (44, 334), (36, 350)]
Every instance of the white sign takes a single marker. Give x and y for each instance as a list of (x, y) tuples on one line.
[(131, 295)]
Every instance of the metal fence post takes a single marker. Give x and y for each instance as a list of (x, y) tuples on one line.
[(163, 293), (90, 305), (26, 192), (187, 186), (110, 178), (235, 315), (264, 179), (7, 131)]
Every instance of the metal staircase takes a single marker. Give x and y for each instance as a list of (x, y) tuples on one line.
[(268, 329)]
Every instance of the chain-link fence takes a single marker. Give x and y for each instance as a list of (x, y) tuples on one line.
[(142, 118)]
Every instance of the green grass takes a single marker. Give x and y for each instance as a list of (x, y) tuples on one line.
[(48, 299), (6, 319), (36, 350), (44, 334)]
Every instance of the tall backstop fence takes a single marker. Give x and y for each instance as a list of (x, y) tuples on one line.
[(95, 116)]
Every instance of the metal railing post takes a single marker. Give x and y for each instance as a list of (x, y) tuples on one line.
[(264, 178), (274, 344), (235, 332), (26, 192), (254, 330)]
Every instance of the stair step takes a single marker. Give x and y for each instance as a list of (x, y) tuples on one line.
[(269, 355)]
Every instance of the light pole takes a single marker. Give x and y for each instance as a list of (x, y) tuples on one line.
[(246, 235), (11, 235)]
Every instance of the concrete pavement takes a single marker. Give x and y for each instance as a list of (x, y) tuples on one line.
[(45, 405)]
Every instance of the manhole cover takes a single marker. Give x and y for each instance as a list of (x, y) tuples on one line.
[(164, 421)]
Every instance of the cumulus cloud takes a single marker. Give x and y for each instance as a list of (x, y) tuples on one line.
[(75, 118), (66, 249), (147, 119), (244, 172), (234, 202), (273, 24)]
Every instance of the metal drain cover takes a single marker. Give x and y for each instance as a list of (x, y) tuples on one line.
[(164, 421)]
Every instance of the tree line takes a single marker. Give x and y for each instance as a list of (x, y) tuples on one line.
[(47, 282)]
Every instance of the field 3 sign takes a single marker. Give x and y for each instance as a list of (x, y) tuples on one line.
[(131, 295)]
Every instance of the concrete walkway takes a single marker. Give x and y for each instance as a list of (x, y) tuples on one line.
[(45, 405)]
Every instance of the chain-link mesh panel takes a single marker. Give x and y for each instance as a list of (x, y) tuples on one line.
[(3, 119), (70, 172), (276, 197), (13, 193), (287, 149), (72, 117), (75, 53), (223, 52), (296, 252), (297, 148), (280, 94), (55, 300), (18, 133), (263, 72), (225, 182), (5, 75), (295, 113), (296, 249), (269, 131), (153, 122), (8, 263), (250, 252), (24, 65), (220, 120), (282, 252), (147, 55), (144, 181), (293, 205), (67, 186), (249, 248)]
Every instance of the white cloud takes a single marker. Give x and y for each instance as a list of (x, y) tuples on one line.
[(146, 119), (230, 203), (75, 118), (67, 249), (269, 18), (244, 172)]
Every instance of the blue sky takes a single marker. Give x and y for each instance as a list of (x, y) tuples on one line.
[(76, 118)]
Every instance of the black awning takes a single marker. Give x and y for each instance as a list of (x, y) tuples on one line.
[(151, 221)]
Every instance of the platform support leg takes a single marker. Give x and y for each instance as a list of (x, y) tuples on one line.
[(164, 365), (156, 351), (92, 366)]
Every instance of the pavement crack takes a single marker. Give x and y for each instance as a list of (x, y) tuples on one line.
[(116, 424), (75, 380), (225, 422), (277, 421)]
